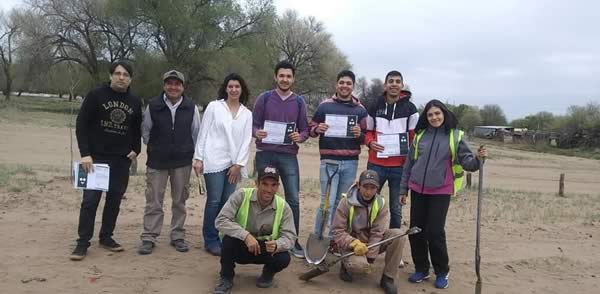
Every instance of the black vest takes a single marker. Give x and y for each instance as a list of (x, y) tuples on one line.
[(170, 146)]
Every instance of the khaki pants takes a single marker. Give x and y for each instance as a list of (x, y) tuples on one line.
[(393, 254), (156, 183)]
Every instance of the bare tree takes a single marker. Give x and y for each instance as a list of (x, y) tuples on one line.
[(8, 32), (305, 43), (86, 32)]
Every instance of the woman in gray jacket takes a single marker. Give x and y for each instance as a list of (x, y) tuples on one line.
[(434, 172)]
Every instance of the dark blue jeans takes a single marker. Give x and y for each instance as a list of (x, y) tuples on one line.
[(218, 190), (393, 175), (287, 165)]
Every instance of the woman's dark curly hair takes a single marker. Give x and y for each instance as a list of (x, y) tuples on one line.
[(222, 93)]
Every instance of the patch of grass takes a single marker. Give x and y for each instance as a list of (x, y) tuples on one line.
[(17, 178), (522, 207), (575, 152), (52, 112)]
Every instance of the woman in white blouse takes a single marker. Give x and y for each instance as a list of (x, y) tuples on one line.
[(222, 151)]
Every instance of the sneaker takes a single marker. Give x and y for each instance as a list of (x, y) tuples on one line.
[(215, 250), (441, 281), (79, 253), (344, 274), (401, 265), (111, 245), (265, 280), (387, 284), (146, 247), (418, 277), (224, 286), (297, 251), (180, 245)]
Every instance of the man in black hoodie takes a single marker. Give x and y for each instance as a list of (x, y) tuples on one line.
[(108, 131)]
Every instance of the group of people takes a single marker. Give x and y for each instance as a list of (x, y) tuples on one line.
[(425, 154)]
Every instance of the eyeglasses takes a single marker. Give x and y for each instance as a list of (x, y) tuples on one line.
[(120, 74)]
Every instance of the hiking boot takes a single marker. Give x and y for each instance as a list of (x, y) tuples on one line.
[(79, 253), (441, 281), (111, 245), (344, 274), (146, 247), (265, 280), (418, 277), (297, 250), (224, 286), (180, 245), (387, 284)]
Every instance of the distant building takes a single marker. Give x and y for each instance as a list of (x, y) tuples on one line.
[(491, 132)]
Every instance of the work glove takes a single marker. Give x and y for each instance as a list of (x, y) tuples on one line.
[(359, 247)]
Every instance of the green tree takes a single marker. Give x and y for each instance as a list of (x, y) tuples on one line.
[(492, 115)]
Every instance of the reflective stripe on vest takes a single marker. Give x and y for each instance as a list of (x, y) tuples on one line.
[(241, 216), (377, 204), (457, 170)]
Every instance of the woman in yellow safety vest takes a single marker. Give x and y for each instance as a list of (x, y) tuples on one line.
[(434, 172)]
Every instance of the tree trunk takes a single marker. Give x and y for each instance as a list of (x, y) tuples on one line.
[(8, 88)]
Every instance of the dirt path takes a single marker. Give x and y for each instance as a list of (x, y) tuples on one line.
[(540, 254)]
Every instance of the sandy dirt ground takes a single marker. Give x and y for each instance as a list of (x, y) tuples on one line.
[(532, 240)]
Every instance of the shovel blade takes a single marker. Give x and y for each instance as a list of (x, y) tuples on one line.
[(316, 248)]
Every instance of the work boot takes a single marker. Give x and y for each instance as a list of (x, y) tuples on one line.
[(224, 286), (344, 274), (265, 280), (387, 284), (180, 245), (146, 247)]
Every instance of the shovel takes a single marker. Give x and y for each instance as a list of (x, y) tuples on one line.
[(317, 245), (478, 285), (323, 268)]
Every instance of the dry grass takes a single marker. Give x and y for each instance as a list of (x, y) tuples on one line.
[(524, 207)]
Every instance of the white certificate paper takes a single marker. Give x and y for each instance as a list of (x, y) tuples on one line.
[(278, 132), (393, 144), (95, 180), (340, 125), (390, 143)]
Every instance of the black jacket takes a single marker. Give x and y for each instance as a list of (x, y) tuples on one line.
[(109, 123), (170, 145)]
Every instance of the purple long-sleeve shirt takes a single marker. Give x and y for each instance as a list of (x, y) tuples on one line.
[(292, 109)]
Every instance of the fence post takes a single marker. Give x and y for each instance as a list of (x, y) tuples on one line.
[(561, 185), (468, 180)]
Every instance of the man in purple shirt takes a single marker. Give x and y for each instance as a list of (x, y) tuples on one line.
[(279, 108)]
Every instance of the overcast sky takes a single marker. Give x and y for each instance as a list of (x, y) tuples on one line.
[(526, 56)]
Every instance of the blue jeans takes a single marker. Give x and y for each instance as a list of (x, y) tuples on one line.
[(393, 175), (340, 183), (218, 190), (287, 165)]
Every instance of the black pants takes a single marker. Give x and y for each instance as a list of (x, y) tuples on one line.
[(429, 213), (235, 251), (117, 185)]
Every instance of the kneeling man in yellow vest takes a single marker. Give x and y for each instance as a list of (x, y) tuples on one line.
[(257, 227), (362, 218)]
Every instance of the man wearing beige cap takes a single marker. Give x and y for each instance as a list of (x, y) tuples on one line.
[(362, 218), (169, 129)]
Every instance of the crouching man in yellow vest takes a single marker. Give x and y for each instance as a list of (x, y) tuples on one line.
[(362, 218), (257, 228)]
